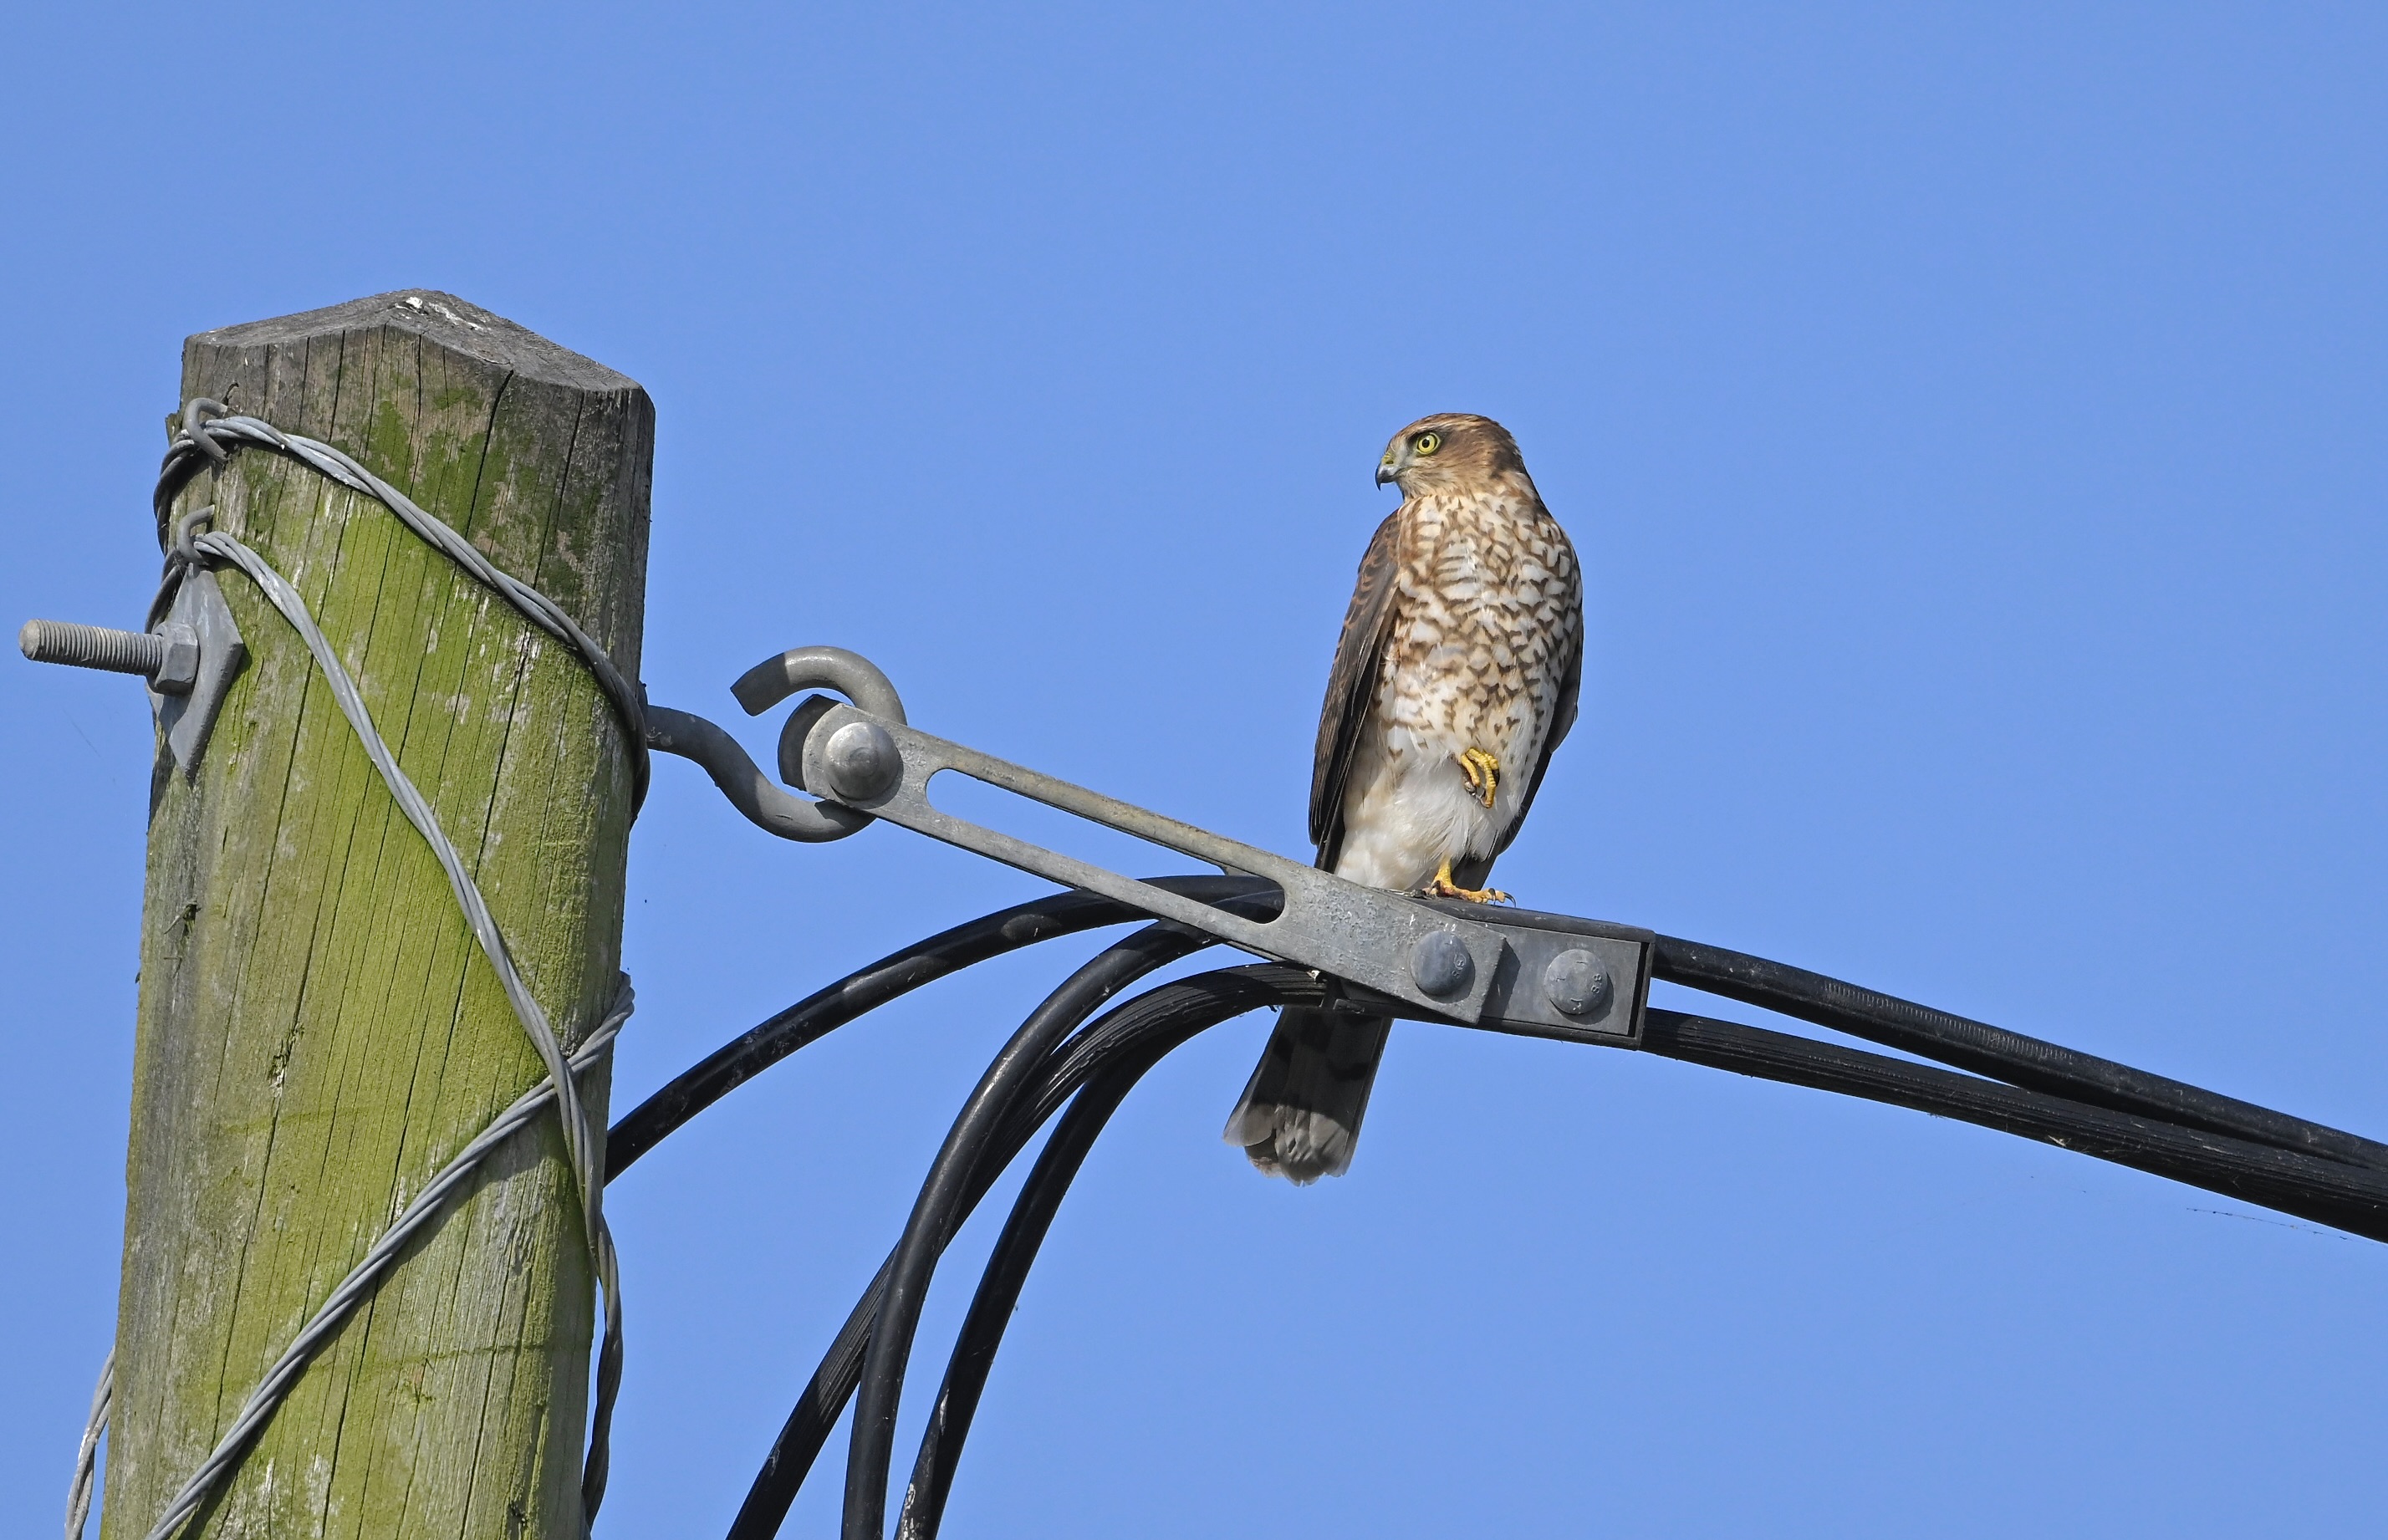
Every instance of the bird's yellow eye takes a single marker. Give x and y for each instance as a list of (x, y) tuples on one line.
[(1427, 443)]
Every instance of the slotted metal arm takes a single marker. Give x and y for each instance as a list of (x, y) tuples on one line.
[(1432, 959), (1547, 975), (1438, 960)]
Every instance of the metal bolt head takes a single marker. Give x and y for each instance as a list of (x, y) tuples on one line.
[(1439, 964), (179, 668), (863, 762), (1576, 983)]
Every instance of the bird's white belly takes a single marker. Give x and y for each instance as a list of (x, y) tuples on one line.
[(1408, 809), (1473, 662)]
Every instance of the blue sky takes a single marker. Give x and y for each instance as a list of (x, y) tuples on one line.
[(1970, 418)]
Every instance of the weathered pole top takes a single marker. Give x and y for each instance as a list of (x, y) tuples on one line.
[(456, 325)]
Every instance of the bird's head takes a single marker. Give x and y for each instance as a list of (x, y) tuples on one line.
[(1449, 451)]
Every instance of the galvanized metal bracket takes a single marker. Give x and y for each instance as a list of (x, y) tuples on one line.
[(188, 717), (1545, 975)]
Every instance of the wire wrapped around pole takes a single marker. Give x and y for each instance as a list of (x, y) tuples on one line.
[(210, 431)]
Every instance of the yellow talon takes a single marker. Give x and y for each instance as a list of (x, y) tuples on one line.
[(1443, 887), (1483, 773)]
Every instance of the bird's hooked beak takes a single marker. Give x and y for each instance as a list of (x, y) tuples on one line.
[(1387, 472)]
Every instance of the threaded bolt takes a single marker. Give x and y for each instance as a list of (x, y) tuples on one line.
[(92, 647), (167, 657)]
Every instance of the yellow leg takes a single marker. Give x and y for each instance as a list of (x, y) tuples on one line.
[(1483, 773), (1443, 887)]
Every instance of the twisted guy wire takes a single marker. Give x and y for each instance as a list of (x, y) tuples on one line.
[(194, 446), (87, 1452), (208, 433), (581, 1141), (358, 1287)]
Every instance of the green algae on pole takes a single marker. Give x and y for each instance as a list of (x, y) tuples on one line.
[(318, 1032)]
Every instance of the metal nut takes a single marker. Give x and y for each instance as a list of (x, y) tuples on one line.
[(863, 762), (179, 669), (1576, 983), (1439, 964)]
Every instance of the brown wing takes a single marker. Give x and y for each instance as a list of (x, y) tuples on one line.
[(1563, 719), (1352, 689)]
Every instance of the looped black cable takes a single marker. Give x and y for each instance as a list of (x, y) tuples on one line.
[(1169, 1014), (2040, 1091), (815, 1017), (1109, 1063), (936, 1213), (821, 1012), (998, 1289)]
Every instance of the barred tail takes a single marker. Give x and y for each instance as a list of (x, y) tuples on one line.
[(1301, 1114)]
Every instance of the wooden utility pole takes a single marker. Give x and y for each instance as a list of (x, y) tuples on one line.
[(318, 1032)]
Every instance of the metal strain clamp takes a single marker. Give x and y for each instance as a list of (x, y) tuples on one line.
[(1518, 971), (189, 659)]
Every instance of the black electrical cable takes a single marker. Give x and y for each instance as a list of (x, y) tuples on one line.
[(1107, 1057), (2330, 1193), (936, 1213), (1110, 1062), (2000, 1054), (2350, 1198), (1170, 1013), (751, 1052), (998, 1292), (1903, 1024), (808, 1423), (2075, 1101)]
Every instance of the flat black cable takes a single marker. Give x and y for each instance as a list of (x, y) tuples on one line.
[(2002, 1055), (2351, 1198), (1110, 1062)]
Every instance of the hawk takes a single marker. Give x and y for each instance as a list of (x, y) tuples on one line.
[(1454, 678)]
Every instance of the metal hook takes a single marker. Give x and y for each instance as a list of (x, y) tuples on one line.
[(850, 674), (187, 533), (195, 412), (760, 689)]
